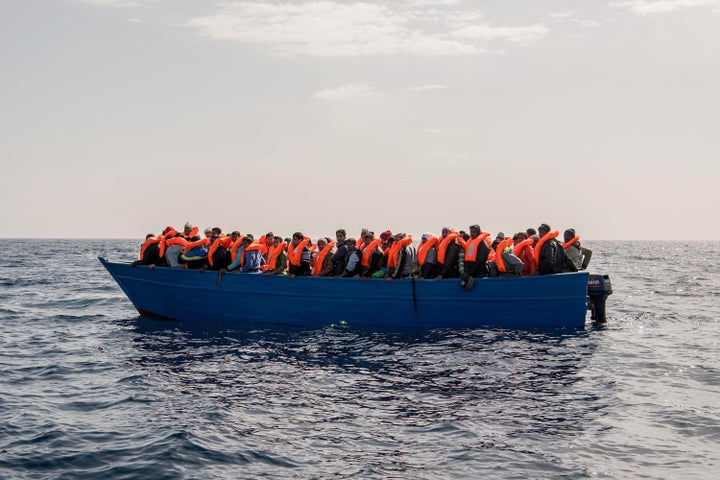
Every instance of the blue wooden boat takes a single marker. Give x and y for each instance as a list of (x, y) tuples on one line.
[(543, 301)]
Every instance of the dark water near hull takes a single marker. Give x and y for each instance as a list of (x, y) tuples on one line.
[(90, 390)]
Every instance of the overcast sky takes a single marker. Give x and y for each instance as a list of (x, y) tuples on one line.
[(120, 117)]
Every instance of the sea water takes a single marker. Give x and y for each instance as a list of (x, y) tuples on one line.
[(88, 389)]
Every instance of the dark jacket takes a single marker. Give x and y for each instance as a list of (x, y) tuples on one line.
[(338, 258)]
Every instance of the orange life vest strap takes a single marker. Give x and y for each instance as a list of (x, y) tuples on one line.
[(499, 261), (519, 247), (570, 242)]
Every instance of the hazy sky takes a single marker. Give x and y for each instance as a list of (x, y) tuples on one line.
[(120, 117)]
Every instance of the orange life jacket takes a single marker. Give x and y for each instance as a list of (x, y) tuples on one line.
[(320, 259), (367, 252), (499, 261), (272, 256), (250, 248), (570, 242), (541, 242), (518, 247), (234, 248), (295, 252), (473, 245), (147, 243), (199, 243), (213, 248), (195, 230), (395, 250), (424, 248), (443, 246)]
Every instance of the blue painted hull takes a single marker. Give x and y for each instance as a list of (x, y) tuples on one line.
[(548, 301)]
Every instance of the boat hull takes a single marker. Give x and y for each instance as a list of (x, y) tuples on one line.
[(548, 301)]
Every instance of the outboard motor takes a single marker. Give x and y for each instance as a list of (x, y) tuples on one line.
[(599, 289)]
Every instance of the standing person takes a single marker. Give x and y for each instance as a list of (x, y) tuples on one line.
[(447, 255), (299, 255), (578, 255), (427, 256), (476, 252), (524, 251), (549, 254), (340, 255)]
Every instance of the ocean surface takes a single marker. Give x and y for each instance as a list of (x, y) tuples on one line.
[(88, 389)]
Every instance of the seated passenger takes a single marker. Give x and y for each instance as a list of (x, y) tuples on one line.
[(299, 255), (549, 254), (447, 255), (507, 263), (174, 247), (578, 255), (219, 253), (371, 259), (523, 249), (340, 254), (190, 231), (353, 266), (323, 261), (149, 251), (477, 249), (277, 257), (427, 256), (402, 260), (195, 254), (249, 256)]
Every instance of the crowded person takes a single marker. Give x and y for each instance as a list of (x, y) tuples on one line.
[(477, 249), (578, 255)]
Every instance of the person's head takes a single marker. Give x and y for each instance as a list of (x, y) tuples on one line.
[(350, 243), (543, 229), (247, 240), (321, 243), (235, 235), (474, 230), (364, 232), (207, 232), (277, 239), (149, 235), (340, 235), (187, 229), (445, 232), (216, 231), (425, 237), (297, 238), (519, 237), (500, 236), (269, 238), (385, 235), (530, 232), (569, 234), (368, 237)]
